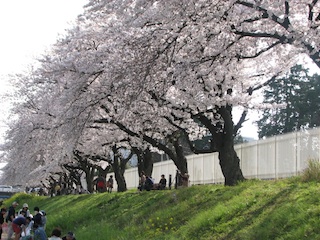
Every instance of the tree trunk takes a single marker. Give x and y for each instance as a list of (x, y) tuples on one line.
[(228, 159), (119, 175), (103, 172), (230, 166), (119, 167), (89, 178), (145, 161), (180, 161)]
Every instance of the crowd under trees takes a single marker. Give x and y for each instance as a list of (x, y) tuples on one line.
[(134, 77)]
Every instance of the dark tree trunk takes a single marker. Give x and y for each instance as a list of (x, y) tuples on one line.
[(223, 132), (119, 167), (75, 178), (83, 165), (230, 166), (145, 161), (180, 161), (90, 173), (103, 172), (119, 176), (228, 159)]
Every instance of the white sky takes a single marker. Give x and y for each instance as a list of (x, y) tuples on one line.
[(28, 28)]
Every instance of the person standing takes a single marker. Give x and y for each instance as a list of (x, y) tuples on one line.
[(110, 184), (43, 219), (11, 215), (57, 189), (2, 213), (101, 184), (25, 207), (39, 233), (37, 217)]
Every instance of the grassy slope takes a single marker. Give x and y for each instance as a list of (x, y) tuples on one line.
[(286, 209)]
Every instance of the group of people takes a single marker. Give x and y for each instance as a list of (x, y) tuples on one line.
[(147, 183), (102, 185), (26, 226)]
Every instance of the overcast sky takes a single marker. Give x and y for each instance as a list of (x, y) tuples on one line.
[(30, 26)]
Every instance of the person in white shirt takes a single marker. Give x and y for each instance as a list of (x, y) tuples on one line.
[(25, 207), (55, 235)]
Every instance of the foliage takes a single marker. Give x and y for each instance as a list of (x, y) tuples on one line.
[(254, 209), (299, 93), (312, 172)]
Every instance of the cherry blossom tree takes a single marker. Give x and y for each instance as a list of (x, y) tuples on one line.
[(134, 73), (271, 24), (203, 68), (179, 76)]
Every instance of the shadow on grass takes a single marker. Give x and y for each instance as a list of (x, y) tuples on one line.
[(261, 230)]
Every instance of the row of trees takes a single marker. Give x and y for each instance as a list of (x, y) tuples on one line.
[(146, 76)]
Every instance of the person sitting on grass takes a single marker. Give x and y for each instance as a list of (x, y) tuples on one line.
[(148, 183), (162, 183)]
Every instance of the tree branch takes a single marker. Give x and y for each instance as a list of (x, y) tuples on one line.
[(266, 14)]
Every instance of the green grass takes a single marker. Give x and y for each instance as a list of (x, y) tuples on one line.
[(284, 209), (312, 172)]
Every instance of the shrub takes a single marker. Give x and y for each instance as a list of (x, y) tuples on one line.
[(312, 172)]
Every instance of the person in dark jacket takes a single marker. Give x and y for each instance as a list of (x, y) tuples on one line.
[(162, 183), (37, 217), (110, 184), (149, 183), (11, 215)]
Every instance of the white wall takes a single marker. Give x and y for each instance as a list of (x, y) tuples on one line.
[(276, 157)]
